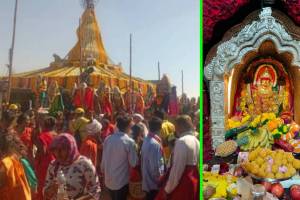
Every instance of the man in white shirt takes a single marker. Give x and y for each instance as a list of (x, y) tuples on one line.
[(119, 154), (183, 181), (138, 119)]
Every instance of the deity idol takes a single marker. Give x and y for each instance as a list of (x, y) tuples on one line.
[(127, 99), (104, 98), (173, 104), (89, 94), (53, 91), (42, 90), (78, 95), (150, 98), (117, 100), (163, 93), (55, 99), (139, 102), (184, 104), (264, 95)]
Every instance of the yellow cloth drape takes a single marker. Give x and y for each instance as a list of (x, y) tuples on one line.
[(16, 186)]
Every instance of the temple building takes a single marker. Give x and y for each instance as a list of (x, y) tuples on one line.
[(88, 52)]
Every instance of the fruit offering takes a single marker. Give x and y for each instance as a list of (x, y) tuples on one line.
[(261, 138), (226, 148), (220, 183), (265, 163), (277, 190), (295, 192), (296, 144)]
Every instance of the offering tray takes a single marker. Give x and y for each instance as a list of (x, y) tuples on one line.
[(271, 180)]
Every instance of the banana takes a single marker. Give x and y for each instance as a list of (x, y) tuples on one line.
[(264, 142), (266, 136), (256, 143), (247, 146)]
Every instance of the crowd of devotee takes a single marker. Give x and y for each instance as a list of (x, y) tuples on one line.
[(141, 154)]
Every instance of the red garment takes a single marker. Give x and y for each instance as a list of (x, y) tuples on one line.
[(106, 106), (89, 148), (173, 106), (89, 99), (135, 177), (77, 99), (188, 187), (26, 136), (140, 104), (107, 131), (42, 161)]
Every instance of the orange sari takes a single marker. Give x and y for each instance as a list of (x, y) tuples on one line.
[(15, 185), (89, 148)]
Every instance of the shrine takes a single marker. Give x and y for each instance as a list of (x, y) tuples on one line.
[(251, 100), (254, 70)]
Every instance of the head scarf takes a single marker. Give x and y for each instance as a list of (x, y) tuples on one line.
[(66, 141), (139, 116), (93, 128)]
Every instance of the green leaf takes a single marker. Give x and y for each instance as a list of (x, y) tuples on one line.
[(279, 110), (277, 136), (264, 122)]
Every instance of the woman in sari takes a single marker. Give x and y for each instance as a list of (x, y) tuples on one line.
[(13, 181), (81, 178), (25, 133), (89, 146), (107, 129), (44, 156)]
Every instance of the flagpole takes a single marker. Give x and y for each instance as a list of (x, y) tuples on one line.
[(130, 72), (80, 47), (80, 68), (182, 91), (11, 52), (158, 69)]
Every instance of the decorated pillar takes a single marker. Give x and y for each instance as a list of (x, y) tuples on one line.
[(217, 111)]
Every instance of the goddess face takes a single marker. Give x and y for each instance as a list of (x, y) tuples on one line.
[(266, 83)]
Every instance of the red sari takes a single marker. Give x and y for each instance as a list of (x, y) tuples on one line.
[(26, 136), (43, 160), (105, 132), (106, 107), (77, 99), (89, 99)]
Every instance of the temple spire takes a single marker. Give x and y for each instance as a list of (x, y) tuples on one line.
[(89, 45), (89, 3)]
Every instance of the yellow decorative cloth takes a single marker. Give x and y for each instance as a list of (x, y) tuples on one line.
[(14, 185)]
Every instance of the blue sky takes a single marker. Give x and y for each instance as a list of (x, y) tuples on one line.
[(164, 30)]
